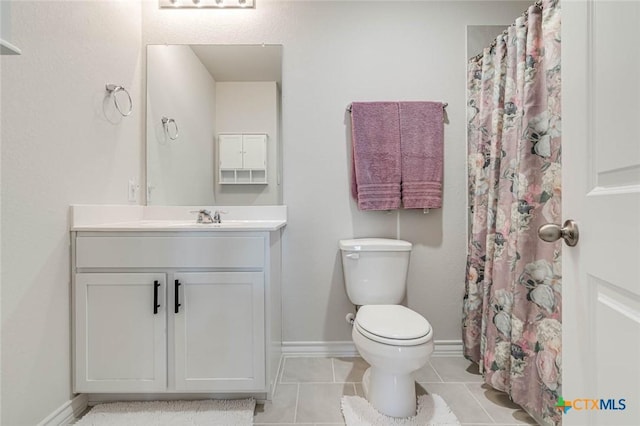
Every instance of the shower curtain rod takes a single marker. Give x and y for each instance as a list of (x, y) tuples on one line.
[(537, 4)]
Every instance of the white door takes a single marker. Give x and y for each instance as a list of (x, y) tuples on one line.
[(120, 333), (218, 331), (255, 151), (230, 151), (601, 191)]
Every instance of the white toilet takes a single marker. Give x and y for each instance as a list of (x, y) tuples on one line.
[(393, 339)]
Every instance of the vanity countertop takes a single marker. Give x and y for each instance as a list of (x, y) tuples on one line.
[(181, 225), (117, 218)]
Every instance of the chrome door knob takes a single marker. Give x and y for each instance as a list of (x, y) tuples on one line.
[(551, 232)]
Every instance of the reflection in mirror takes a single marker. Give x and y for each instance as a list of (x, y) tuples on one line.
[(209, 91)]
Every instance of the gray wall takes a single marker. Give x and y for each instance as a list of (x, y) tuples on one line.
[(58, 149), (481, 36)]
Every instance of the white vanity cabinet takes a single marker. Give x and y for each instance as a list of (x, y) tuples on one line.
[(120, 343), (170, 312), (218, 329)]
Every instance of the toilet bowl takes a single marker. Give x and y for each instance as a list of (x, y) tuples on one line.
[(396, 342), (392, 338)]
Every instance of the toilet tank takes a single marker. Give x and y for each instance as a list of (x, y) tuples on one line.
[(375, 270)]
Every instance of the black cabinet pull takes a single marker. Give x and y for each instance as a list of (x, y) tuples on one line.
[(156, 305), (177, 295)]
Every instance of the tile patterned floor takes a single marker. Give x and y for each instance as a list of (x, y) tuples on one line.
[(310, 388)]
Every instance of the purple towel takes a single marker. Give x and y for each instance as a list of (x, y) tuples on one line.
[(375, 181), (421, 139)]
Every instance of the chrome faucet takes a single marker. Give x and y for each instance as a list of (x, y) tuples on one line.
[(204, 216)]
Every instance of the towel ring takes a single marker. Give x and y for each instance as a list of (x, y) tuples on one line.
[(113, 89), (165, 126)]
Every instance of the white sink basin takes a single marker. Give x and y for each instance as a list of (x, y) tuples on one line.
[(225, 224)]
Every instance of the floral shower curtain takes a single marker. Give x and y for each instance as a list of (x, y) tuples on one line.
[(512, 303)]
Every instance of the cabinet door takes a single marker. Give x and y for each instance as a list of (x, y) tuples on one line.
[(230, 151), (255, 151), (218, 331), (120, 342)]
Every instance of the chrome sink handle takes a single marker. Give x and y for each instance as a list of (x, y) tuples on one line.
[(204, 216), (216, 216)]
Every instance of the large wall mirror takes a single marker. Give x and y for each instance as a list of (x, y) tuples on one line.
[(200, 95)]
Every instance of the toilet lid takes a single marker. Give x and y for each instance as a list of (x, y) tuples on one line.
[(375, 244), (393, 325)]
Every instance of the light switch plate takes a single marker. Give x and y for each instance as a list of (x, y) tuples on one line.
[(132, 190)]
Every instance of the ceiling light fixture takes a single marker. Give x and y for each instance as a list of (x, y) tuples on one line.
[(203, 4)]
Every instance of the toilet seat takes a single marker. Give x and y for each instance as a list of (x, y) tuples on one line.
[(393, 325)]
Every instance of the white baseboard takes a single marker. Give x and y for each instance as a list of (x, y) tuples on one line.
[(347, 348), (67, 412), (447, 348), (99, 398)]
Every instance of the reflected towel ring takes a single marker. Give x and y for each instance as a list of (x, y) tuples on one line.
[(165, 126), (113, 89)]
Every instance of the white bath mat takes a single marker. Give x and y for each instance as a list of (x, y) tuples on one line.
[(432, 411), (172, 413)]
